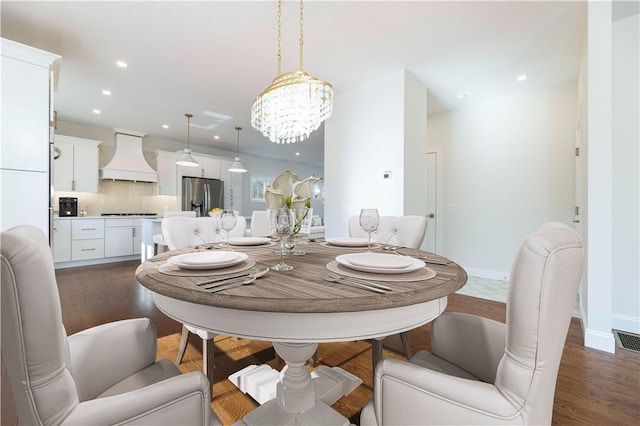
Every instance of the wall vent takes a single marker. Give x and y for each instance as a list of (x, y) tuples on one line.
[(628, 341)]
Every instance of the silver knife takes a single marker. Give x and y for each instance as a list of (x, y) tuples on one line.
[(220, 279)]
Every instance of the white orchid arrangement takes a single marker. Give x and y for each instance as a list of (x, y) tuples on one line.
[(287, 191)]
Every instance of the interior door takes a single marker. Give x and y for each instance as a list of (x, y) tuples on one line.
[(432, 239)]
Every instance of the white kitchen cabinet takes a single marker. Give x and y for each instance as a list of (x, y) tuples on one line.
[(232, 186), (166, 168), (122, 237), (87, 239), (25, 107), (209, 168), (25, 199), (76, 168), (61, 240), (25, 149)]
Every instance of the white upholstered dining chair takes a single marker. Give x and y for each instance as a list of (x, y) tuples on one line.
[(260, 224), (482, 371), (103, 375), (180, 231), (158, 239), (403, 231)]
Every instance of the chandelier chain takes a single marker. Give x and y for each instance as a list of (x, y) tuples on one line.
[(279, 36), (301, 35)]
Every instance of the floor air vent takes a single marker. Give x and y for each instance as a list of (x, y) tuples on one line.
[(626, 340)]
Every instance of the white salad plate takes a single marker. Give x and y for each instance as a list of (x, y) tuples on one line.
[(348, 242), (385, 266), (379, 260), (207, 260), (249, 241)]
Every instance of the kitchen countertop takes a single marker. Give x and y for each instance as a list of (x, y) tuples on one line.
[(107, 217)]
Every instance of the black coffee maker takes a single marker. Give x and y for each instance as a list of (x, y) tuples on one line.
[(68, 207)]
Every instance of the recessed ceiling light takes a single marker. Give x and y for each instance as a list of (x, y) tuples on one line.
[(106, 92), (216, 137), (96, 111), (121, 64), (297, 153), (522, 77), (165, 126)]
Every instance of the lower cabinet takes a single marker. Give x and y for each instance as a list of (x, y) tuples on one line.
[(95, 240), (61, 240), (122, 237), (87, 239)]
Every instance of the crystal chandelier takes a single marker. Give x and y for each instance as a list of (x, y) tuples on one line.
[(295, 104)]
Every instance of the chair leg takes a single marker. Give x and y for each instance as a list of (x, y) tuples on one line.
[(404, 336), (376, 354), (183, 344), (207, 359)]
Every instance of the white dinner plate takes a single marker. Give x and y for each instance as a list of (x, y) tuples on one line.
[(416, 264), (380, 260), (348, 242), (249, 241), (207, 260)]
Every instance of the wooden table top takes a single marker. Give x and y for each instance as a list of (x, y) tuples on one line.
[(302, 289)]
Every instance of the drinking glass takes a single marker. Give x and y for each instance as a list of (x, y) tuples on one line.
[(281, 222), (227, 223), (369, 221)]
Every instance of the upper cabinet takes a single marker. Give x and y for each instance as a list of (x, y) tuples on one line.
[(76, 167), (26, 107), (209, 168)]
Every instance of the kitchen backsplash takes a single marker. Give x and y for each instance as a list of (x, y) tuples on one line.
[(120, 197)]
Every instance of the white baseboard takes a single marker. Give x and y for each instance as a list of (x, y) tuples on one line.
[(625, 323), (600, 340), (488, 274)]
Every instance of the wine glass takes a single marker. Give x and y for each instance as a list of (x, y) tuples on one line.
[(227, 223), (281, 222), (369, 221)]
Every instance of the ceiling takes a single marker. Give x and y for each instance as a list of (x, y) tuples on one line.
[(212, 58)]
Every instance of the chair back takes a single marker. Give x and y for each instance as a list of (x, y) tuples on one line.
[(260, 224), (173, 213), (34, 342), (182, 231), (542, 292), (405, 231)]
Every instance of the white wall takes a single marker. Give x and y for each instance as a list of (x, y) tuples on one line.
[(374, 128), (626, 174), (596, 314), (363, 139), (508, 167)]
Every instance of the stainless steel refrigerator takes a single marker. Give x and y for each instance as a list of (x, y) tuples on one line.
[(202, 195)]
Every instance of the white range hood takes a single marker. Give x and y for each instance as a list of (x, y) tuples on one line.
[(128, 161)]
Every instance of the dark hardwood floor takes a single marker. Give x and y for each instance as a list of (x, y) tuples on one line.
[(593, 388)]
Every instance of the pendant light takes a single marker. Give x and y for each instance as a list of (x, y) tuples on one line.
[(186, 159), (295, 104), (237, 166)]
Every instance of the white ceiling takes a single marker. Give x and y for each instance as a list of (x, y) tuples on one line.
[(212, 58)]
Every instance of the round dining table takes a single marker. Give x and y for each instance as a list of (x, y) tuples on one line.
[(298, 309)]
